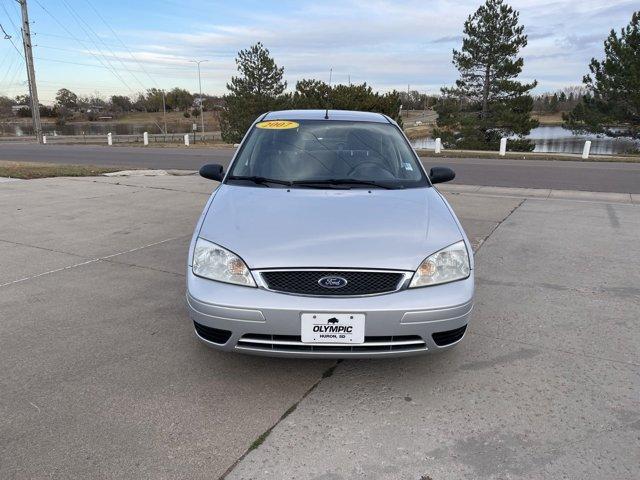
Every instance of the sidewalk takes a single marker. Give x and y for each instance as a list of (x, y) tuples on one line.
[(542, 193)]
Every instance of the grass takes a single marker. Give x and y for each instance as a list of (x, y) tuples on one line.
[(420, 131), (263, 436), (259, 441), (173, 118), (30, 170), (550, 119)]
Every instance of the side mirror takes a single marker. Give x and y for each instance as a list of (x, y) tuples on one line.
[(441, 174), (212, 171)]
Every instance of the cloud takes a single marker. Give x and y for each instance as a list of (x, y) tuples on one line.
[(571, 43), (449, 39), (388, 44)]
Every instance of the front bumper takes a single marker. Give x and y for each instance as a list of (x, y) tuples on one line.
[(396, 320)]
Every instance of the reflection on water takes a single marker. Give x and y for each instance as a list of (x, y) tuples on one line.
[(90, 128), (555, 139)]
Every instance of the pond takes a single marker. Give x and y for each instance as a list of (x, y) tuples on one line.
[(556, 139), (91, 128)]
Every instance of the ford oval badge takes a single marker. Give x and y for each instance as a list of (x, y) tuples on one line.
[(332, 281)]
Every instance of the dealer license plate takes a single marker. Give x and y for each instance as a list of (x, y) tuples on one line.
[(332, 327)]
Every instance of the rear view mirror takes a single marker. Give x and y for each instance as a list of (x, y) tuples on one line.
[(212, 171), (441, 174)]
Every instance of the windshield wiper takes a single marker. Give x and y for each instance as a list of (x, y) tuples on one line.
[(259, 180), (343, 181), (328, 181)]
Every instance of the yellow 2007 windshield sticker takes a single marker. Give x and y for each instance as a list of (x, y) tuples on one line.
[(278, 124)]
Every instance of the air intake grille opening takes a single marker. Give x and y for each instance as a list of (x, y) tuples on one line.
[(450, 336), (214, 335), (305, 282), (293, 343)]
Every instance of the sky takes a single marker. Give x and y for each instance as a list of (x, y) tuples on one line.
[(123, 47)]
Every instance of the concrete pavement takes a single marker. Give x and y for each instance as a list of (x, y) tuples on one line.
[(101, 374), (102, 377), (539, 174), (545, 386)]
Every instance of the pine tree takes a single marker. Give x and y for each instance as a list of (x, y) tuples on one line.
[(488, 102), (613, 87), (256, 90), (313, 94)]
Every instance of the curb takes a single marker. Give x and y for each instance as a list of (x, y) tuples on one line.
[(543, 193)]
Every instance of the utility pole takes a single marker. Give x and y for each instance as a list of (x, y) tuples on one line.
[(31, 73), (198, 62)]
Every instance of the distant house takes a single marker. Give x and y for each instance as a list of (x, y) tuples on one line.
[(95, 109), (16, 108)]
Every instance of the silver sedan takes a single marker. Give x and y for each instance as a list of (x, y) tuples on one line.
[(326, 238)]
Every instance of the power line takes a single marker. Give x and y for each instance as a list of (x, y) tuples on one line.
[(16, 30), (14, 45), (17, 85), (15, 68), (64, 27), (11, 65), (64, 37), (121, 42), (80, 19), (217, 53), (6, 35), (98, 54), (83, 52), (6, 57), (93, 64)]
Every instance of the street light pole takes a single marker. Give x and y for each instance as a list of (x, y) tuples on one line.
[(164, 112), (198, 62)]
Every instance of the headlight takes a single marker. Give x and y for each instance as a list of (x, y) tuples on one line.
[(217, 263), (447, 265)]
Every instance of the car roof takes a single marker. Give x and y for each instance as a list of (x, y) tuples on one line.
[(345, 115)]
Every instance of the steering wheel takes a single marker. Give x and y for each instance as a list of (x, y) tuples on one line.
[(370, 163)]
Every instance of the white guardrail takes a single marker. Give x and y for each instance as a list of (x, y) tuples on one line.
[(503, 147), (110, 139), (189, 138)]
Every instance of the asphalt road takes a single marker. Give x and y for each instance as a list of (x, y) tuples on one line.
[(562, 175)]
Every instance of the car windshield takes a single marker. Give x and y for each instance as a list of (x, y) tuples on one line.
[(326, 154)]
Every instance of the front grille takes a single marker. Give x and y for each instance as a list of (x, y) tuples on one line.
[(214, 335), (450, 336), (293, 343), (305, 282)]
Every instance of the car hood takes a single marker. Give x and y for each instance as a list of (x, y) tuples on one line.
[(305, 227)]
